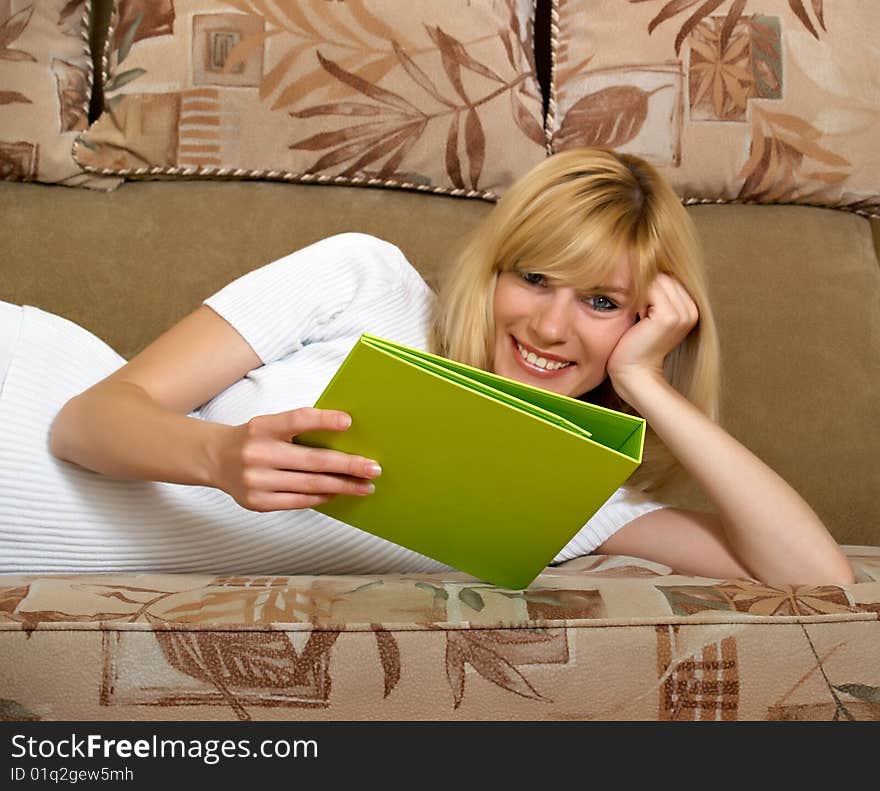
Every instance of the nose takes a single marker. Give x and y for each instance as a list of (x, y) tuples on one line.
[(552, 316)]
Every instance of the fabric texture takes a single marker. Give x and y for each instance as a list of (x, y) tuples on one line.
[(767, 101), (301, 314), (10, 327), (441, 97), (598, 638), (775, 273), (189, 238), (45, 87)]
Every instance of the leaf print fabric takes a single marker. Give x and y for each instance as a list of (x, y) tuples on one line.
[(600, 637), (429, 96), (10, 29), (767, 101), (45, 89), (727, 68)]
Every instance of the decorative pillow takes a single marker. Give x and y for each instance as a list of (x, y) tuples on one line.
[(45, 86), (441, 97), (768, 101)]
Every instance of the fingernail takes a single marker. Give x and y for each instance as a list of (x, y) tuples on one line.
[(345, 421), (374, 469), (370, 488)]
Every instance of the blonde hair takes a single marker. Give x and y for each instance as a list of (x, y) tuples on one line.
[(572, 217)]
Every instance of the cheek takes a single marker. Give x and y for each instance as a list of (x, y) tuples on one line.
[(620, 330), (606, 336), (498, 306), (507, 302)]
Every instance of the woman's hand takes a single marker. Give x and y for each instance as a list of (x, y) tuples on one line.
[(259, 467), (667, 317)]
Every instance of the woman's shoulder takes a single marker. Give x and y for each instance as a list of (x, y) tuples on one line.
[(357, 242), (372, 255)]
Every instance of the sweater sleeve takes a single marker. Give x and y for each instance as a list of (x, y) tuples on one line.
[(304, 297), (621, 508)]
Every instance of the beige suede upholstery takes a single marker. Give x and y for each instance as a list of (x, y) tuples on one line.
[(796, 291), (129, 264)]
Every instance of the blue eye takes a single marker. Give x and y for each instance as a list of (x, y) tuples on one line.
[(600, 303), (532, 278)]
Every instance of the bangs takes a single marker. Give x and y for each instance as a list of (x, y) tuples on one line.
[(582, 249)]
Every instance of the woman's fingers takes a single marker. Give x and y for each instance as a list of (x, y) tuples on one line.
[(308, 483), (335, 462), (287, 425), (269, 444), (680, 299), (671, 305), (285, 501), (300, 421), (263, 470)]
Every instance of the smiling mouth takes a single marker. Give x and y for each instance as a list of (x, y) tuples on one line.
[(533, 361)]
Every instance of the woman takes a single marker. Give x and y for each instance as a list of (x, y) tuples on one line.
[(584, 280)]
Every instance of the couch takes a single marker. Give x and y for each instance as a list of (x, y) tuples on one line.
[(797, 295)]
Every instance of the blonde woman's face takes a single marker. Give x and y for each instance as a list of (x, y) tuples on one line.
[(557, 336)]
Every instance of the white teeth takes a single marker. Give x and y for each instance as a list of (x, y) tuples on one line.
[(540, 362)]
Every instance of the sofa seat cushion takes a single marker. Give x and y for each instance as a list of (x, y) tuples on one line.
[(600, 637)]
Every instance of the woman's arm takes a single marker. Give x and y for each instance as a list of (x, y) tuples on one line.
[(770, 529), (689, 542), (134, 425)]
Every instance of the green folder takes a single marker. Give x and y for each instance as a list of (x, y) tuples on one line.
[(483, 473)]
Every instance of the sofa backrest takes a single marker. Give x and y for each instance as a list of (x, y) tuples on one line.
[(796, 292)]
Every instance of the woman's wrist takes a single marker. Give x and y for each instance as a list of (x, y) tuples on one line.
[(215, 455), (635, 385)]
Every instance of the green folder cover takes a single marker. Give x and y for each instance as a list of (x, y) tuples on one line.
[(483, 473)]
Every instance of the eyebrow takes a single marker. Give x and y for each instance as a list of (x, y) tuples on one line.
[(611, 289), (622, 290)]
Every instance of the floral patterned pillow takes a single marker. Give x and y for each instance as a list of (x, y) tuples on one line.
[(767, 101), (441, 97), (45, 87)]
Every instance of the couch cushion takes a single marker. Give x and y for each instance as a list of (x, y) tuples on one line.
[(130, 264), (433, 96), (45, 87), (603, 637), (796, 293), (768, 102)]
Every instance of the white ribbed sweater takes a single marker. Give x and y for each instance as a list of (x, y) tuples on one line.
[(301, 314)]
